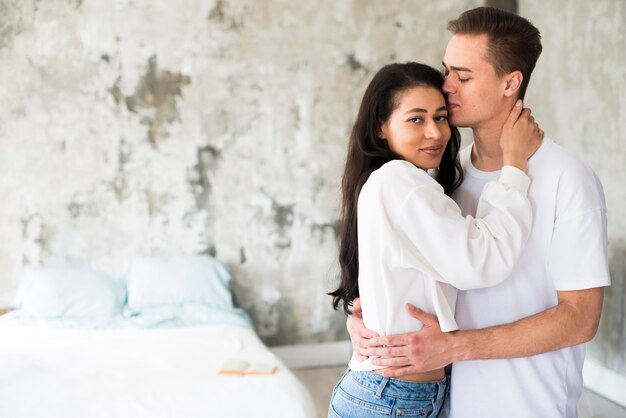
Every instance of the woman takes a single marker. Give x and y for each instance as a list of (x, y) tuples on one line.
[(405, 239)]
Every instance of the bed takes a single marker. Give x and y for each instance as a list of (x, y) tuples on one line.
[(139, 359)]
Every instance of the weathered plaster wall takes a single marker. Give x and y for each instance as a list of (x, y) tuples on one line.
[(161, 127), (578, 91)]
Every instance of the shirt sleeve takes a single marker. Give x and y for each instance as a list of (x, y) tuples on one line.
[(578, 256), (468, 252)]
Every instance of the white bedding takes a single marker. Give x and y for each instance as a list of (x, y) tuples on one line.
[(168, 372)]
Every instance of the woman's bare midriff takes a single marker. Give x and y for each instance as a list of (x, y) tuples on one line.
[(419, 377)]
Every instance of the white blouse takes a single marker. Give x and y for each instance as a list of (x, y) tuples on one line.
[(416, 247)]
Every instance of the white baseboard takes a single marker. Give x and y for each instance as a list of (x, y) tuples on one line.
[(314, 355), (604, 382)]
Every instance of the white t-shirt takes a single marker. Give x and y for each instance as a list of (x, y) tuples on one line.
[(566, 250), (413, 241)]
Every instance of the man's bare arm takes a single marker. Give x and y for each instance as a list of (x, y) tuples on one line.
[(574, 320)]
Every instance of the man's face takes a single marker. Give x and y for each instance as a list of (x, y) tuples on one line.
[(473, 91)]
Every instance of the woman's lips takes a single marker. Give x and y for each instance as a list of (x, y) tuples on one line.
[(434, 151)]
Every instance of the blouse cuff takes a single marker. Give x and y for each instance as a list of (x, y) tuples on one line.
[(515, 178)]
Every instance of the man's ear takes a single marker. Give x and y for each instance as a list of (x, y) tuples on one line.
[(513, 83)]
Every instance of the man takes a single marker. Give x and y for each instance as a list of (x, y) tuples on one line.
[(520, 349)]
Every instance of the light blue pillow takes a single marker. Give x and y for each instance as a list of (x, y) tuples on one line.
[(69, 293), (177, 281)]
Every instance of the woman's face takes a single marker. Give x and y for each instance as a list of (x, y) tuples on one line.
[(418, 129)]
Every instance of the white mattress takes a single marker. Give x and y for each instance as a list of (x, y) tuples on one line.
[(170, 372)]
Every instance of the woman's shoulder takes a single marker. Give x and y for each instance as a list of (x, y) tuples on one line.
[(399, 170), (396, 180)]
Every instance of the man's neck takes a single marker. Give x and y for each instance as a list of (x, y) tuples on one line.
[(486, 152)]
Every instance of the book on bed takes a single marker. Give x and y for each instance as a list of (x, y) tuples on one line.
[(243, 367)]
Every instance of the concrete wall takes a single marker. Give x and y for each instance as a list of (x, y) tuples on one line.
[(577, 92), (145, 127), (162, 127)]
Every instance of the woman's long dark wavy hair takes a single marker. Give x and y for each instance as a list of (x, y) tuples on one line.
[(367, 152)]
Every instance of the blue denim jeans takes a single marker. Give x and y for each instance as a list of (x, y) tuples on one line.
[(368, 394)]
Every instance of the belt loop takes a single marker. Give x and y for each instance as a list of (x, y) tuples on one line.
[(381, 386)]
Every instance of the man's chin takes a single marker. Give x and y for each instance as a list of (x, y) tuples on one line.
[(455, 121)]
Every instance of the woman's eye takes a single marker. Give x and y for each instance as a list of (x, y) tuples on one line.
[(441, 118), (415, 120)]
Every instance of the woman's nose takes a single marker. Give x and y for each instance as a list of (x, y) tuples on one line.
[(433, 131)]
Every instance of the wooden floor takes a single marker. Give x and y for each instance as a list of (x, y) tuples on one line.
[(321, 381)]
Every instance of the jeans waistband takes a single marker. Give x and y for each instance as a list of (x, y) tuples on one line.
[(400, 388)]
